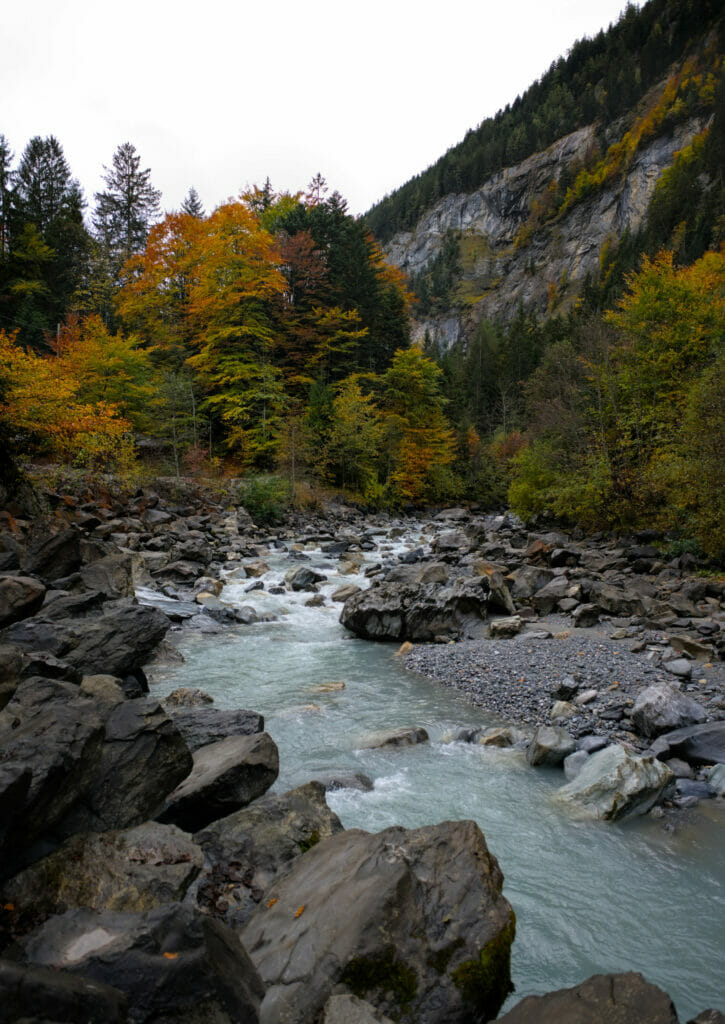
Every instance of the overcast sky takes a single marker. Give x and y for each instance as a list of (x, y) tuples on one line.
[(221, 94)]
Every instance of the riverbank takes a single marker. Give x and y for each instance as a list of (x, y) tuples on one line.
[(160, 810)]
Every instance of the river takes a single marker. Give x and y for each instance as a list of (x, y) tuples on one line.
[(589, 897)]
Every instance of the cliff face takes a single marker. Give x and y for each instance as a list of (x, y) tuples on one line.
[(499, 274)]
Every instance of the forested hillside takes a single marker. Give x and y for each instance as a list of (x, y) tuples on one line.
[(583, 292), (601, 79)]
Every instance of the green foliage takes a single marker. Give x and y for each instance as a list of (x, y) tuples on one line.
[(265, 498)]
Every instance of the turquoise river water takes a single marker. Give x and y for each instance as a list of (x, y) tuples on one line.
[(589, 897)]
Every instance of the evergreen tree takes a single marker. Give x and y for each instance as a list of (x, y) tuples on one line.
[(193, 205), (6, 196), (128, 206)]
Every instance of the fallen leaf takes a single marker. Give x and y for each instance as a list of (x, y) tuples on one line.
[(9, 906), (171, 956), (299, 911), (271, 902)]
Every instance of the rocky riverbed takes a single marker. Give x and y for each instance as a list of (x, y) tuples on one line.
[(146, 874)]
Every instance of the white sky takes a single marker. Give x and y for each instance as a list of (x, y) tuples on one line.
[(221, 94)]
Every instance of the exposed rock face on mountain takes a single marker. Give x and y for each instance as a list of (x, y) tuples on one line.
[(499, 274)]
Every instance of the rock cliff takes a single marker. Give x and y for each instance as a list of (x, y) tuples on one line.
[(499, 272)]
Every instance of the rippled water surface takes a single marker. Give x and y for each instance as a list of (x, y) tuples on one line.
[(589, 898)]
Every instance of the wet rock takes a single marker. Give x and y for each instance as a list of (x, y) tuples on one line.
[(397, 738), (256, 568), (201, 726), (39, 994), (708, 1017), (342, 593), (574, 763), (408, 611), (304, 578), (135, 869), (412, 921), (619, 998), (549, 746), (20, 597), (614, 784), (173, 962), (345, 780), (95, 765), (225, 776), (55, 556), (246, 850), (662, 708)]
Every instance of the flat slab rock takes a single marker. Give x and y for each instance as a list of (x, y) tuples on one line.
[(412, 921), (225, 776), (203, 725), (602, 999)]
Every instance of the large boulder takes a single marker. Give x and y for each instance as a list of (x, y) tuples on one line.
[(663, 708), (413, 921), (697, 744), (173, 963), (118, 643), (246, 850), (202, 726), (96, 765), (304, 578), (38, 994), (615, 784), (225, 776), (135, 869), (54, 557), (11, 668), (417, 612), (602, 999), (111, 576), (20, 597)]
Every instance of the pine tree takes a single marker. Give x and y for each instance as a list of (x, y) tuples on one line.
[(193, 205), (6, 196), (126, 209)]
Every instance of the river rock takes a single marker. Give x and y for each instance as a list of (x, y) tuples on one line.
[(574, 763), (612, 600), (416, 612), (304, 578), (680, 667), (348, 1009), (549, 746), (507, 627), (413, 921), (225, 776), (55, 556), (186, 697), (256, 568), (708, 1017), (397, 738), (547, 597), (526, 580), (246, 850), (615, 784), (135, 869), (111, 576), (585, 615), (95, 765), (716, 778), (602, 999), (201, 726), (662, 708), (173, 963), (345, 780), (342, 593), (34, 995), (697, 744), (20, 597), (118, 643), (11, 667)]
